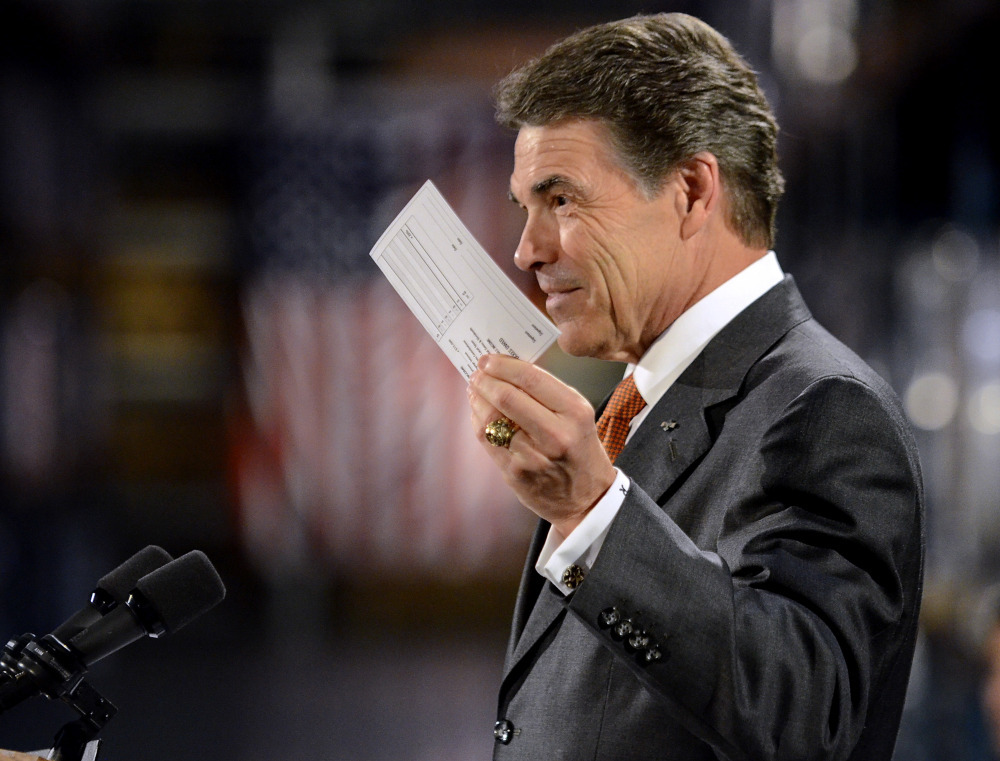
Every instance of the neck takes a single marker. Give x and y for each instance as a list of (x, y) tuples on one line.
[(720, 263)]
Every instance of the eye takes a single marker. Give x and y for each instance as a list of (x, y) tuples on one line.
[(560, 200)]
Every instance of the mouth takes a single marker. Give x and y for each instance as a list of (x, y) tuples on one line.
[(556, 300), (559, 291)]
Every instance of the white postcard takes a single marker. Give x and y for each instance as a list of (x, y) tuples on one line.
[(458, 293)]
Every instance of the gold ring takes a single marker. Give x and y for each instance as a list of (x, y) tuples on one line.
[(500, 432)]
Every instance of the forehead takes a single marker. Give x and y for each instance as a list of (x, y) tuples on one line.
[(576, 150)]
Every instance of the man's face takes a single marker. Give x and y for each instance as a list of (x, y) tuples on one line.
[(609, 258)]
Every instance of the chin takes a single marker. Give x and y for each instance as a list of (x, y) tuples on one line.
[(575, 344)]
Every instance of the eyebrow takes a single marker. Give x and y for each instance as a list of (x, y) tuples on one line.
[(542, 187)]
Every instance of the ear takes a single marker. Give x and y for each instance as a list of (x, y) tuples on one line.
[(702, 192)]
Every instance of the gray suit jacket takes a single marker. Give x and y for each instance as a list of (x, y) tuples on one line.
[(756, 597)]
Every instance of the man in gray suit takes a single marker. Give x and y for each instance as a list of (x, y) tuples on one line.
[(742, 581)]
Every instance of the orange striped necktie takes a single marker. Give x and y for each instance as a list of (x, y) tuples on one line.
[(612, 427)]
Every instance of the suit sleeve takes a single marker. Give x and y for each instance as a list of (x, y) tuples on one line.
[(772, 643)]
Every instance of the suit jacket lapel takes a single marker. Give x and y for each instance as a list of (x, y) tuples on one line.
[(672, 437), (531, 584), (539, 605), (676, 433), (548, 607)]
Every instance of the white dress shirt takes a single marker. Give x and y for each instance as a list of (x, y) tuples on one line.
[(659, 367)]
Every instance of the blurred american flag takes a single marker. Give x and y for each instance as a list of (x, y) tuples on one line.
[(358, 450)]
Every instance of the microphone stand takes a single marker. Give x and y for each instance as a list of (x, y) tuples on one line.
[(46, 666), (72, 740)]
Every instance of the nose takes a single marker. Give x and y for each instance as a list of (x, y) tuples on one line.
[(539, 243)]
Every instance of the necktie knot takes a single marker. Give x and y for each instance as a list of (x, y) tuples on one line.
[(612, 427)]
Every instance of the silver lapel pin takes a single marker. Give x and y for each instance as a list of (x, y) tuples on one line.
[(671, 425)]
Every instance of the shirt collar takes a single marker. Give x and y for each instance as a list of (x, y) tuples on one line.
[(675, 349)]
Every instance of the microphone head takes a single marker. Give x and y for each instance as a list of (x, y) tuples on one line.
[(122, 580), (182, 590), (113, 588)]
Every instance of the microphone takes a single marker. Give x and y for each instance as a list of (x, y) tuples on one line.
[(111, 589), (161, 602)]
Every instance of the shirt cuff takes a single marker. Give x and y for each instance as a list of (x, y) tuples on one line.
[(570, 558)]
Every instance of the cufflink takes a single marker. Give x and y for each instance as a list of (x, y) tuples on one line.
[(573, 576)]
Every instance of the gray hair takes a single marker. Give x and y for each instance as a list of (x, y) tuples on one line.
[(666, 86)]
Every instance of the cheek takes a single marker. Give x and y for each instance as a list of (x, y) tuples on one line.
[(577, 246), (619, 284), (591, 256)]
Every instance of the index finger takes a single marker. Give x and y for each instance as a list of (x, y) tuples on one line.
[(490, 392), (537, 383)]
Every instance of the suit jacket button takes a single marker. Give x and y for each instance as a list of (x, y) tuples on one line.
[(652, 655), (638, 640), (622, 630), (609, 617), (503, 732)]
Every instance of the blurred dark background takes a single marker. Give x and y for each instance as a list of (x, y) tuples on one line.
[(196, 351)]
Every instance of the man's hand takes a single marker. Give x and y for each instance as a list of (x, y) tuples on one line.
[(555, 464)]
